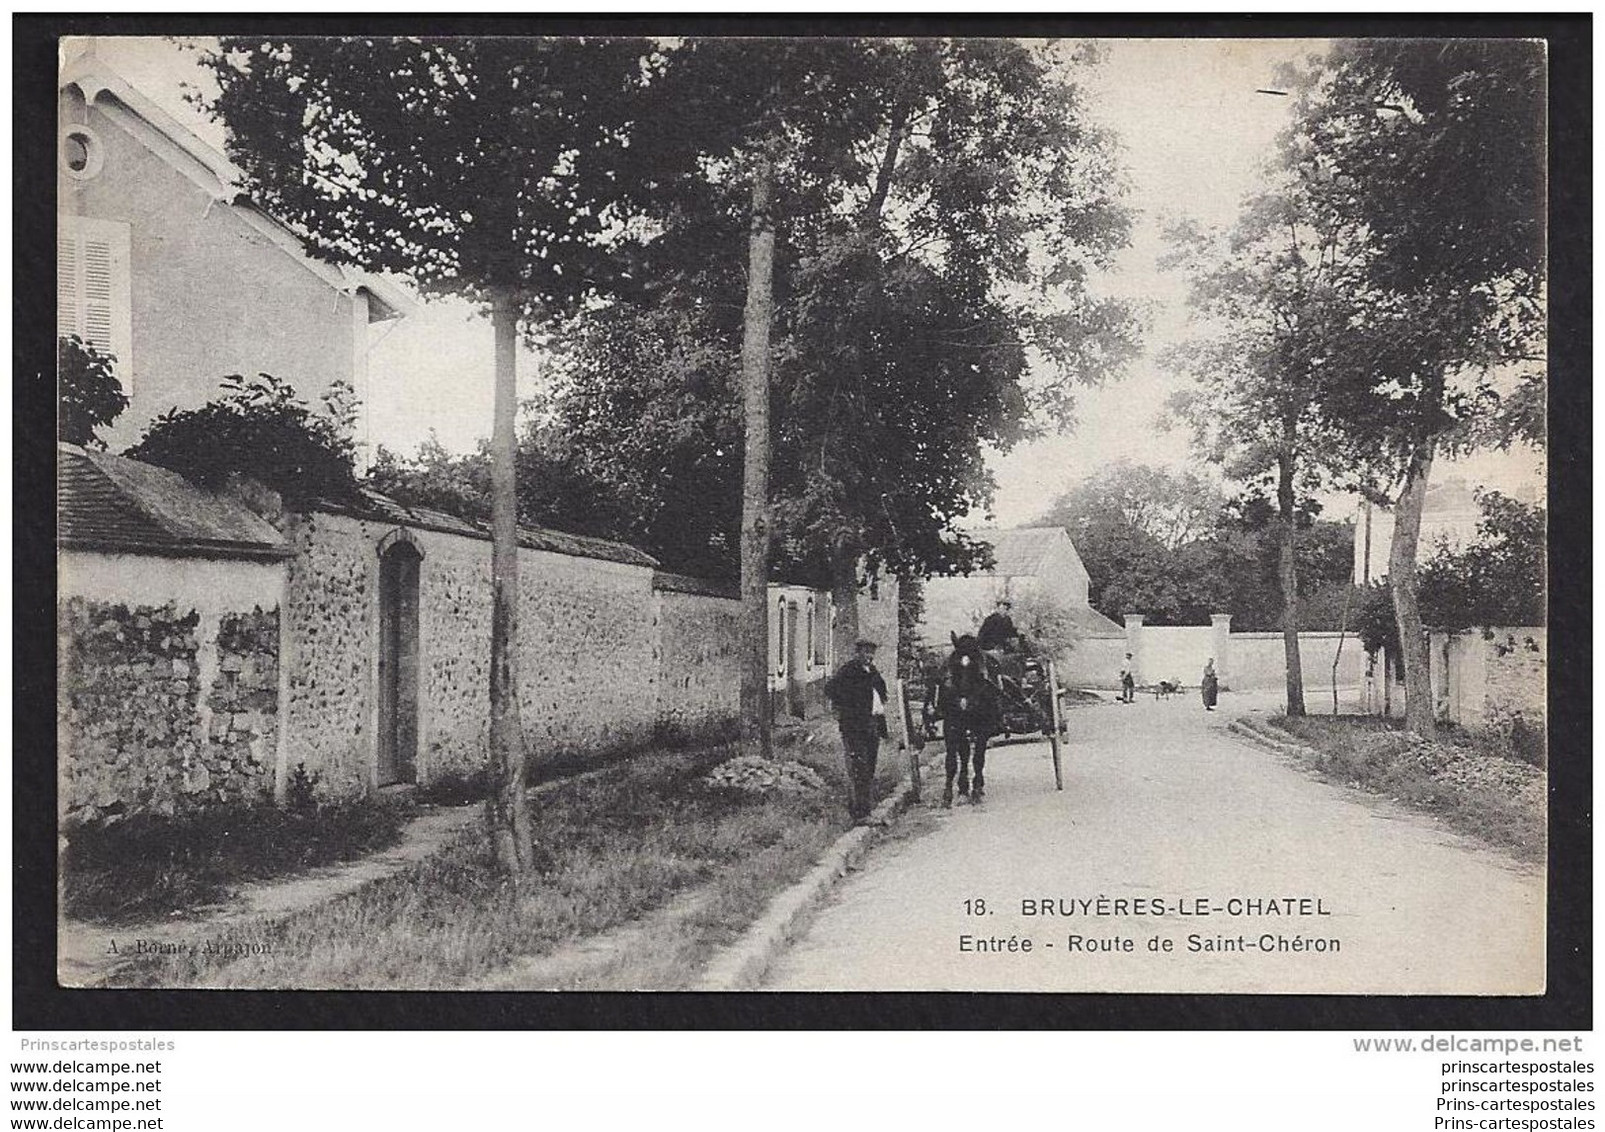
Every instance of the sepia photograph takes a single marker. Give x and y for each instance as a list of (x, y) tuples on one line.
[(806, 513)]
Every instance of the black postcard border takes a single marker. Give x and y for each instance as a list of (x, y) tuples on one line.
[(39, 1004)]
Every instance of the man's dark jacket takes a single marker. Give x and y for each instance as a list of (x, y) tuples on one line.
[(997, 631), (849, 692)]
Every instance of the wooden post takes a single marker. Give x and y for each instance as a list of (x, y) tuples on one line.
[(913, 748), (1053, 741)]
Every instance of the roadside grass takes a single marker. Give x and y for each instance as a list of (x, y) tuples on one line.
[(682, 947), (615, 847), (149, 868), (159, 868), (1473, 783)]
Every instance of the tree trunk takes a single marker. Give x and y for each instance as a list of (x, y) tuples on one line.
[(888, 165), (506, 811), (844, 599), (1286, 505), (756, 709), (1419, 714)]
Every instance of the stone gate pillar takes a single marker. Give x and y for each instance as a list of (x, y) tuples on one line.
[(1220, 625)]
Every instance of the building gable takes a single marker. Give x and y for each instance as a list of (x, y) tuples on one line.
[(98, 86), (164, 262), (1032, 552)]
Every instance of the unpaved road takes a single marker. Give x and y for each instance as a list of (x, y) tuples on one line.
[(1162, 805)]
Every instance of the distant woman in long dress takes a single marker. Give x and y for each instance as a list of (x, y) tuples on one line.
[(1210, 686)]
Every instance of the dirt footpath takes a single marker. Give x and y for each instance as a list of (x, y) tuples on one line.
[(1177, 859)]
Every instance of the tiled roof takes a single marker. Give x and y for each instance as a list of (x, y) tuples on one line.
[(1023, 551), (686, 584), (374, 506), (113, 503)]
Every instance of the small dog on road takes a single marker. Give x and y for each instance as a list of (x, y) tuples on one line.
[(1166, 688)]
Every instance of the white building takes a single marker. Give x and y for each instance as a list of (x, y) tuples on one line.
[(1029, 560)]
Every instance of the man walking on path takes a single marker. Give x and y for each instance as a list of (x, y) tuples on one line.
[(858, 694), (1128, 683)]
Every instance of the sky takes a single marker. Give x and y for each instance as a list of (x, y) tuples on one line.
[(1193, 134), (1192, 131)]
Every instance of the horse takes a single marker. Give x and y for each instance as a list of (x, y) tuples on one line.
[(967, 704)]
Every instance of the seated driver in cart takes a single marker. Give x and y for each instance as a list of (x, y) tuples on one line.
[(998, 628), (1001, 641)]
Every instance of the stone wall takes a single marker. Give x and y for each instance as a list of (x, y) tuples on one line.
[(1259, 661), (1177, 653), (699, 662), (243, 704), (330, 650), (1093, 662), (1493, 680), (587, 665), (1243, 661), (168, 684), (589, 676), (1517, 677), (183, 687)]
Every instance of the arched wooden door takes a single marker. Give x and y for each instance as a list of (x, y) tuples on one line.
[(398, 664)]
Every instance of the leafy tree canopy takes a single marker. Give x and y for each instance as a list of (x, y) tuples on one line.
[(939, 207), (1171, 546), (260, 429), (1373, 620), (1171, 508), (1142, 533), (464, 163), (1247, 547), (436, 478), (89, 396), (554, 490), (1436, 152), (1496, 580), (495, 168)]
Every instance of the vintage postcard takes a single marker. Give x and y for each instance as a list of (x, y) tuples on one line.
[(849, 513)]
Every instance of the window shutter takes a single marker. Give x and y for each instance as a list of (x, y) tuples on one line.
[(98, 295), (68, 315), (93, 288)]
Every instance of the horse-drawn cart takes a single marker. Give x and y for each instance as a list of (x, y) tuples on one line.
[(1028, 698)]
